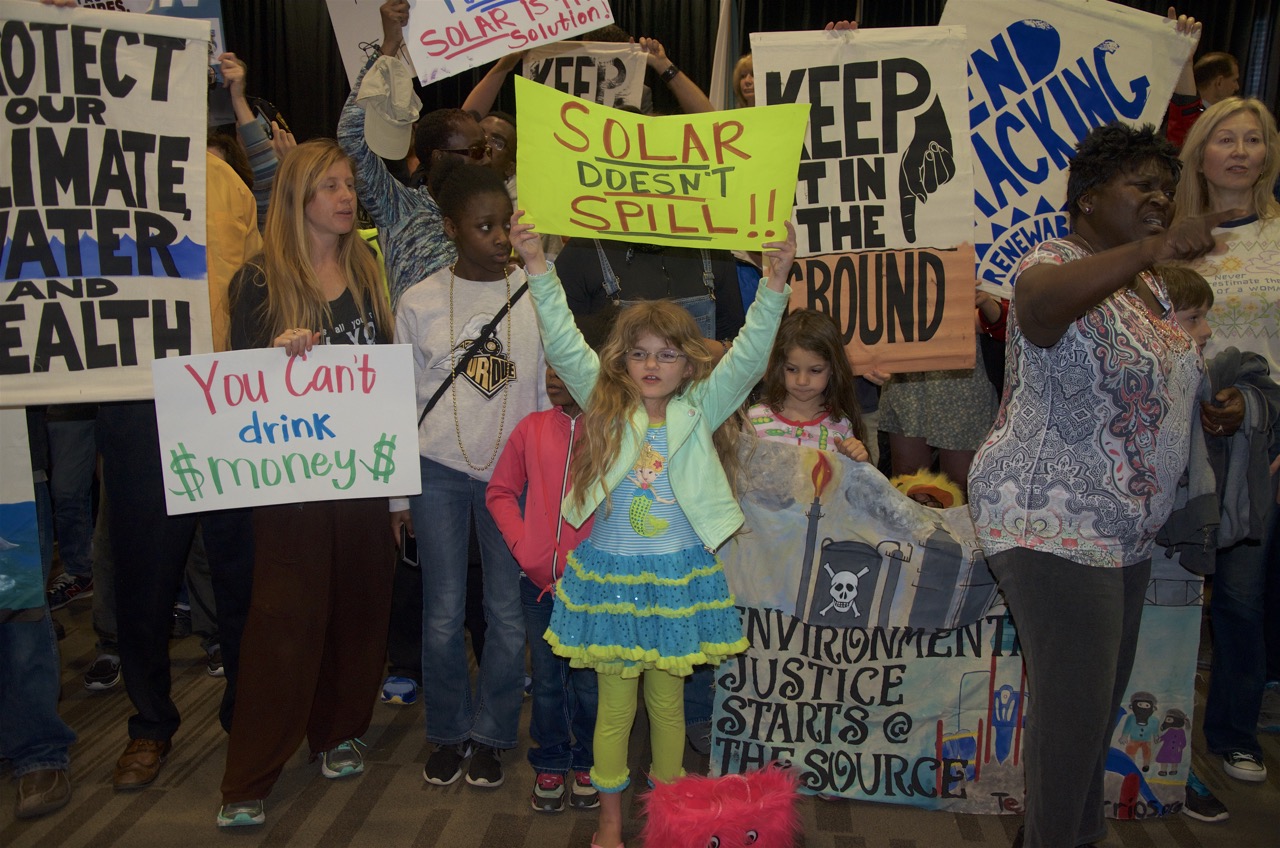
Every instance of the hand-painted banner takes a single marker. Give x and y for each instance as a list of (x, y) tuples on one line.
[(899, 311), (602, 72), (1042, 73), (886, 162), (255, 427), (879, 668), (102, 201), (719, 179), (446, 37), (1246, 288), (21, 574)]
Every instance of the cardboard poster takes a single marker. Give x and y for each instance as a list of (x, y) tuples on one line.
[(102, 201), (718, 179), (255, 427), (899, 311)]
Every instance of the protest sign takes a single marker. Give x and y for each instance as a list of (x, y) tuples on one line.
[(1042, 73), (601, 72), (21, 571), (446, 37), (879, 668), (102, 201), (898, 311), (357, 27), (255, 427), (1246, 286), (886, 162), (719, 179)]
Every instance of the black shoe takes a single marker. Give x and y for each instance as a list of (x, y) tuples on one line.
[(1201, 804), (445, 765), (213, 663), (181, 623), (486, 768), (103, 674)]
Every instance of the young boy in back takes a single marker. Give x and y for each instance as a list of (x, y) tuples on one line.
[(1192, 299), (524, 496)]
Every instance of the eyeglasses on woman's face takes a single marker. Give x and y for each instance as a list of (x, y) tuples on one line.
[(666, 356), (476, 151)]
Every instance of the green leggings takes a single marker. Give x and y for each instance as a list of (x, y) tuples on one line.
[(664, 702)]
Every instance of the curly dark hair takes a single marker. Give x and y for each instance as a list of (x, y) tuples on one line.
[(453, 182), (1116, 149)]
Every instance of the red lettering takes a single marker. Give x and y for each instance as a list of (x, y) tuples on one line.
[(609, 126), (691, 141), (576, 206), (721, 128), (644, 148), (564, 119)]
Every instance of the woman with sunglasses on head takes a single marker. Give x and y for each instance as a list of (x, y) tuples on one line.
[(411, 231), (1231, 157), (1079, 471)]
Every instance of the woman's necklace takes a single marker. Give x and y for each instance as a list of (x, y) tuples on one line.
[(453, 364)]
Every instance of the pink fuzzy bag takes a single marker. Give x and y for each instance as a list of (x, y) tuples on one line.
[(756, 809)]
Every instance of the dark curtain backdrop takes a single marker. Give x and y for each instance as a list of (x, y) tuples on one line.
[(293, 58)]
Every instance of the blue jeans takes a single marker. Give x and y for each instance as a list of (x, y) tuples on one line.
[(32, 735), (73, 451), (440, 517), (1238, 670), (564, 698)]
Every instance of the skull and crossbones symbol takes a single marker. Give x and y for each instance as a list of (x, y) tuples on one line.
[(844, 589)]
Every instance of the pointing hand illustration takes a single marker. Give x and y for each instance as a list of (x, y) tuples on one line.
[(927, 164)]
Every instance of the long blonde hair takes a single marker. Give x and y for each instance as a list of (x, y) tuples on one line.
[(294, 297), (616, 396), (1193, 190)]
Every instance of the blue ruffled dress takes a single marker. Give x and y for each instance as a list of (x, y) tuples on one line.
[(643, 592)]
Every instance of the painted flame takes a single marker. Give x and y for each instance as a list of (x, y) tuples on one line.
[(822, 475)]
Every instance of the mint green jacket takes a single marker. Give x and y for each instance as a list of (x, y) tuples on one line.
[(696, 476)]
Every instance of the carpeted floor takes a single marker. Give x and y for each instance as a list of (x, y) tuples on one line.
[(391, 806)]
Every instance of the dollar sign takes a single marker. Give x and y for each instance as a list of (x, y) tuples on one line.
[(383, 465), (192, 480)]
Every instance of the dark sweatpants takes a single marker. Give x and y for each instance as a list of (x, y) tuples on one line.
[(1078, 626), (313, 649)]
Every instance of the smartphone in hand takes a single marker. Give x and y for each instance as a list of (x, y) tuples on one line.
[(408, 548)]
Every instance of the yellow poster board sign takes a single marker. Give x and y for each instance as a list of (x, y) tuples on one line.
[(717, 179)]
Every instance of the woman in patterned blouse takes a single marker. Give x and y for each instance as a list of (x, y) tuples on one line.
[(1078, 472)]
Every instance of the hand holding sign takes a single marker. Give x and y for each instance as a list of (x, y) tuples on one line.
[(527, 244), (297, 341), (779, 256)]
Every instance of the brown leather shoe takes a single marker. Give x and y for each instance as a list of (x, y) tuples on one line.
[(41, 792), (140, 763)]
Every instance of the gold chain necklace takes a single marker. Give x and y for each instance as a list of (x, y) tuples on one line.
[(453, 388)]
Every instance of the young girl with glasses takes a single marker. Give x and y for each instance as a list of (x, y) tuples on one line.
[(646, 594)]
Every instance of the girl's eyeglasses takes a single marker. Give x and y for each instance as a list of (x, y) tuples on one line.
[(665, 356), (475, 151)]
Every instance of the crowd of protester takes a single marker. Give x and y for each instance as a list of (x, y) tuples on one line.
[(645, 354)]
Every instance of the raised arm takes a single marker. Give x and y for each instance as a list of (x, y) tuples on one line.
[(381, 194), (691, 98), (1050, 297), (480, 100)]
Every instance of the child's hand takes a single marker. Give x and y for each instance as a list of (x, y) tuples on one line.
[(876, 376), (528, 244), (853, 449), (779, 256)]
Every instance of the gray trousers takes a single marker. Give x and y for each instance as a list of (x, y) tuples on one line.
[(1078, 626)]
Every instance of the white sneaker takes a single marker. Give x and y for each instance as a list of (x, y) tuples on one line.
[(1244, 766)]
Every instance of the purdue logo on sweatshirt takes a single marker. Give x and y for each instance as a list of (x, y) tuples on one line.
[(490, 369)]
